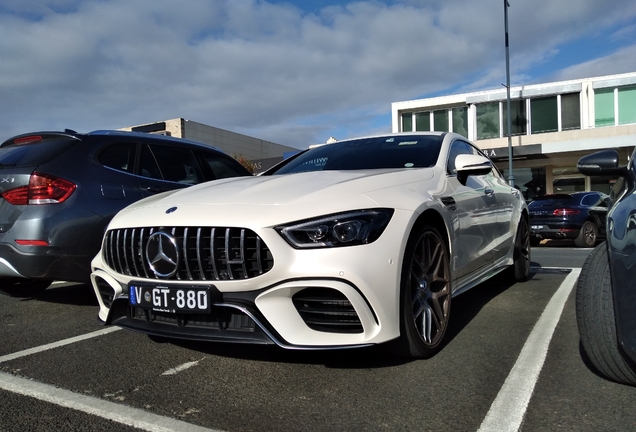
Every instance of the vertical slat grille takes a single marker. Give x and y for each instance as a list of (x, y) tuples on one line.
[(205, 253)]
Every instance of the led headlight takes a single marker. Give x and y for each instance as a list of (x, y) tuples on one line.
[(341, 229)]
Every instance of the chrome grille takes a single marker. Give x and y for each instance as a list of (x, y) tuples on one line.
[(205, 253)]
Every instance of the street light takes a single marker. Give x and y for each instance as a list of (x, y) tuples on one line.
[(511, 176)]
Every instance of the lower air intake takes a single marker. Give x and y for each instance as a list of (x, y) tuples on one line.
[(327, 310)]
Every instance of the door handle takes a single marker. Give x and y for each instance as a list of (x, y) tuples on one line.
[(155, 189), (489, 191)]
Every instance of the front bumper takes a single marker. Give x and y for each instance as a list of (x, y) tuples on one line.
[(363, 281)]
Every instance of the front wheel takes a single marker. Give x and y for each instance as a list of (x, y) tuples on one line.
[(425, 293), (596, 320), (24, 287)]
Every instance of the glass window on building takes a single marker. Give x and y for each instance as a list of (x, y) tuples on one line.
[(460, 121), (570, 111), (517, 115), (604, 107), (627, 104), (407, 122), (544, 115), (423, 121), (440, 120), (488, 120)]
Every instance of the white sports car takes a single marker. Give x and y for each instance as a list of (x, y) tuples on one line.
[(348, 244)]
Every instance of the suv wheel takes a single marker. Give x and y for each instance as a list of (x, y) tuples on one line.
[(596, 321), (587, 235)]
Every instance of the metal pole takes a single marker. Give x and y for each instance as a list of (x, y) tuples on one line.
[(511, 176)]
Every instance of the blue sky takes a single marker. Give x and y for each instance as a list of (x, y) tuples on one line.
[(292, 72)]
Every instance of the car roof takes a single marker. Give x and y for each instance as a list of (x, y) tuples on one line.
[(69, 133)]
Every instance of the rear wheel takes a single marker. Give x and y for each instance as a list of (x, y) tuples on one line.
[(596, 320), (425, 293), (520, 270), (587, 236), (24, 287)]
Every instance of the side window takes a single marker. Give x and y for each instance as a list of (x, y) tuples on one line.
[(218, 166), (120, 157), (177, 164), (593, 200), (495, 171), (148, 164), (457, 148)]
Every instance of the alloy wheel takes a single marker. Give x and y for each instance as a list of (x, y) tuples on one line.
[(429, 283)]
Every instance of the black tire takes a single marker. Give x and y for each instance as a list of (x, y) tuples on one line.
[(425, 293), (24, 288), (587, 235), (596, 321), (535, 241), (522, 256)]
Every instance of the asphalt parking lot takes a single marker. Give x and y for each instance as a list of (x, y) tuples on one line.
[(510, 362)]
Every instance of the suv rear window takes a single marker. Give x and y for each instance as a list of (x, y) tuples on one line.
[(33, 154), (551, 200)]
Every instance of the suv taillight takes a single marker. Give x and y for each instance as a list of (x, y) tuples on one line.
[(42, 189), (565, 212)]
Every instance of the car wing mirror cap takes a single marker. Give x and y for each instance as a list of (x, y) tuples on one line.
[(604, 162), (472, 165)]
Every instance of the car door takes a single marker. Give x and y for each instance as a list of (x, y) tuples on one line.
[(507, 214), (163, 168), (118, 182), (475, 207)]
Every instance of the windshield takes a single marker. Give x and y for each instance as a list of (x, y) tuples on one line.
[(404, 151)]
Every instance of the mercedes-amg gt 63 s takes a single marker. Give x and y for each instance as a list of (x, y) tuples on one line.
[(348, 244)]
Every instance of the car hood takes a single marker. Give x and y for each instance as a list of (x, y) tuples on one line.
[(244, 199)]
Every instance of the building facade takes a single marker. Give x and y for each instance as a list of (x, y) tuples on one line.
[(552, 125), (260, 152)]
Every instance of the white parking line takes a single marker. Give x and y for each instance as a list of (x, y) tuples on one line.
[(91, 405), (509, 407), (47, 347), (119, 413), (181, 368)]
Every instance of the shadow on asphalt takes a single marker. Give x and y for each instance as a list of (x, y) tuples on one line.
[(76, 294), (463, 310)]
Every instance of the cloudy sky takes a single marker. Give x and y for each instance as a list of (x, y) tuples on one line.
[(292, 72)]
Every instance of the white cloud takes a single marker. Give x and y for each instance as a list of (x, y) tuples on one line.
[(269, 70)]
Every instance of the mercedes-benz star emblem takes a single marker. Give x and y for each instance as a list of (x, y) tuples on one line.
[(162, 254)]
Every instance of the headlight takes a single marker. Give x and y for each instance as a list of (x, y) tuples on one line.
[(342, 229)]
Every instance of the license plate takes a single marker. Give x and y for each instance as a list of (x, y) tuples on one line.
[(173, 299), (536, 227)]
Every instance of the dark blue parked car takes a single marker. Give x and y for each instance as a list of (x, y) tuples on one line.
[(606, 291), (59, 190), (579, 216)]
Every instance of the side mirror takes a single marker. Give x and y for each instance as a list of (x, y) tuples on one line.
[(467, 165), (601, 163)]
